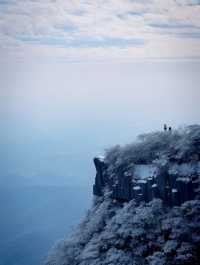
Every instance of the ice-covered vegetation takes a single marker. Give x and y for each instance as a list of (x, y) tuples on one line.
[(114, 233), (150, 233), (182, 145)]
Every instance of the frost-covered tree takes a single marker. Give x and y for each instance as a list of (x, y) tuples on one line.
[(178, 145), (114, 233), (127, 233)]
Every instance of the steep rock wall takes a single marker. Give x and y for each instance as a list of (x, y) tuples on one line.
[(173, 189)]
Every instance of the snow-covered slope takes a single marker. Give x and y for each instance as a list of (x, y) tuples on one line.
[(132, 232)]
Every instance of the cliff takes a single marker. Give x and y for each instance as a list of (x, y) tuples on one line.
[(146, 207)]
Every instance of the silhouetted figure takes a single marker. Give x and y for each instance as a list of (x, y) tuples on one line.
[(165, 127), (170, 129)]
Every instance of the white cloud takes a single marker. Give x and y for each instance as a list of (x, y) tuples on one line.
[(168, 28)]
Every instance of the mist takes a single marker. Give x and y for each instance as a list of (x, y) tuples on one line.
[(55, 117), (60, 115)]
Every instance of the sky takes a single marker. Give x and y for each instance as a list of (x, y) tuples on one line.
[(79, 76), (87, 29)]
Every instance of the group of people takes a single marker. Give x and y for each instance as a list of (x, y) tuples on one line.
[(167, 129)]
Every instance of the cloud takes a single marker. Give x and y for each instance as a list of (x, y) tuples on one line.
[(84, 42), (191, 35), (188, 2), (114, 28), (173, 25)]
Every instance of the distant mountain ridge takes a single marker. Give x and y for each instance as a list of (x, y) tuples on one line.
[(146, 208)]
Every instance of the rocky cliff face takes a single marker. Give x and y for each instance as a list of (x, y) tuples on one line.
[(163, 165), (146, 208), (147, 182)]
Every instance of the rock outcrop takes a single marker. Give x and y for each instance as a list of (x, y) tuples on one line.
[(173, 189), (146, 208), (163, 173)]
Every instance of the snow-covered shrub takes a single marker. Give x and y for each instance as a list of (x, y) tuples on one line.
[(147, 234), (178, 145), (126, 233)]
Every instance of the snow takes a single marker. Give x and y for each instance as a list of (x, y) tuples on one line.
[(170, 247), (136, 188), (101, 158), (142, 181), (125, 236), (186, 180), (114, 232), (185, 169), (145, 171)]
